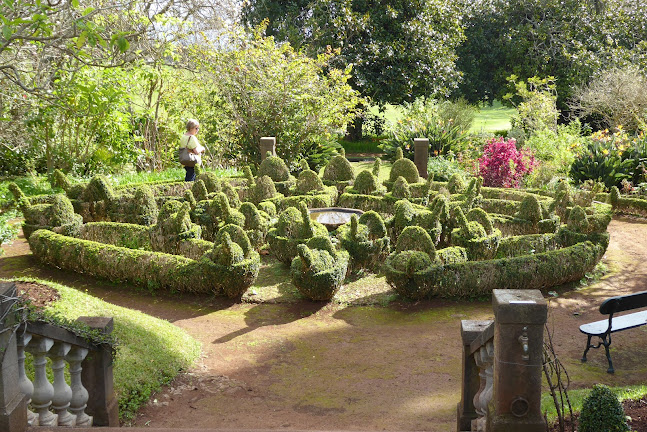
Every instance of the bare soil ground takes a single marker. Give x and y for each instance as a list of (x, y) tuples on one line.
[(336, 367)]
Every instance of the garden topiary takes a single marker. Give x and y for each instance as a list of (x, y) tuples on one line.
[(403, 216), (236, 264), (365, 239), (414, 255), (404, 168), (143, 209), (263, 189), (456, 184), (339, 172), (274, 168), (256, 223), (474, 237), (365, 183), (401, 188), (577, 220), (530, 210), (318, 271), (199, 190), (308, 182), (293, 227), (188, 197), (376, 167), (173, 225), (211, 181), (614, 196), (601, 411), (98, 189)]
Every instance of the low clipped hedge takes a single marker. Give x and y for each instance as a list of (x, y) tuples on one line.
[(152, 270), (630, 206), (477, 278), (130, 236)]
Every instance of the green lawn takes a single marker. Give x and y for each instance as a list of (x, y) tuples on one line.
[(492, 118)]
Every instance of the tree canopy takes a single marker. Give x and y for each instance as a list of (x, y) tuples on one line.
[(398, 49)]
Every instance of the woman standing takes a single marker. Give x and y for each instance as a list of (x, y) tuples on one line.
[(190, 142)]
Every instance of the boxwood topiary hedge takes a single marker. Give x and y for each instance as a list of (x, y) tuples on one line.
[(452, 239)]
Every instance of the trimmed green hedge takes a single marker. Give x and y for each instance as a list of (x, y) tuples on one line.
[(477, 278), (130, 236), (152, 270)]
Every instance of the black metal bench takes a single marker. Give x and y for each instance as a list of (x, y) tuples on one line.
[(603, 328)]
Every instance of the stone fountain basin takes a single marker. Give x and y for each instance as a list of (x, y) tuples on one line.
[(333, 217)]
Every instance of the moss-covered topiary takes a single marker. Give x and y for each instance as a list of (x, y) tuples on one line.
[(530, 210), (480, 216), (456, 184), (292, 228), (98, 189), (365, 239), (232, 195), (188, 197), (472, 236), (401, 188), (402, 270), (274, 168), (404, 168), (318, 271), (365, 183), (263, 189), (249, 177), (173, 225), (268, 207), (309, 182), (19, 196), (403, 216), (256, 223), (376, 168), (398, 154), (577, 220), (614, 196), (210, 180), (416, 238), (338, 170), (143, 210), (601, 411), (199, 190)]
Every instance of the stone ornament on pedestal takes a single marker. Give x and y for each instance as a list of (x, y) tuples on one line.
[(421, 155), (520, 316), (268, 144)]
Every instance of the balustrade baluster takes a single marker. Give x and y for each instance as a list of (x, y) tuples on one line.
[(79, 392), (62, 391), (24, 384), (43, 390), (480, 409)]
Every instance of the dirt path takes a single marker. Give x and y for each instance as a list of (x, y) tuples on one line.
[(301, 366)]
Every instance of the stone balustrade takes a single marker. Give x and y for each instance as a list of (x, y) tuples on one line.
[(88, 400), (502, 366)]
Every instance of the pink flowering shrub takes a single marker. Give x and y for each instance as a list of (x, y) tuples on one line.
[(502, 165)]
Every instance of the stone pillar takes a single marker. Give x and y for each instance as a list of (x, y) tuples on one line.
[(13, 404), (97, 378), (520, 316), (421, 155), (466, 412), (268, 144)]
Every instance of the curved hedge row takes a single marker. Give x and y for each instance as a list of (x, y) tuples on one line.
[(152, 270), (476, 278)]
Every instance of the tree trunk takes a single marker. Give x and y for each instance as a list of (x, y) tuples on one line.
[(354, 129)]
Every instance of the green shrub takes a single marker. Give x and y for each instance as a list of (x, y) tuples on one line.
[(292, 228), (274, 168), (366, 183), (365, 239), (601, 411), (308, 182), (235, 263), (404, 168), (443, 167), (199, 190), (338, 170), (318, 271)]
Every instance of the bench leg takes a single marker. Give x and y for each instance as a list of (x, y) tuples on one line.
[(606, 348), (588, 346)]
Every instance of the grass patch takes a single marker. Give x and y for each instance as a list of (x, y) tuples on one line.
[(150, 351), (577, 397), (492, 118)]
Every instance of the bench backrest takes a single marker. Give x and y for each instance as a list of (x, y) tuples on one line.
[(624, 303)]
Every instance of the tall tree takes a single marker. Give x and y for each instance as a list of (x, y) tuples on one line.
[(569, 39), (399, 50)]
